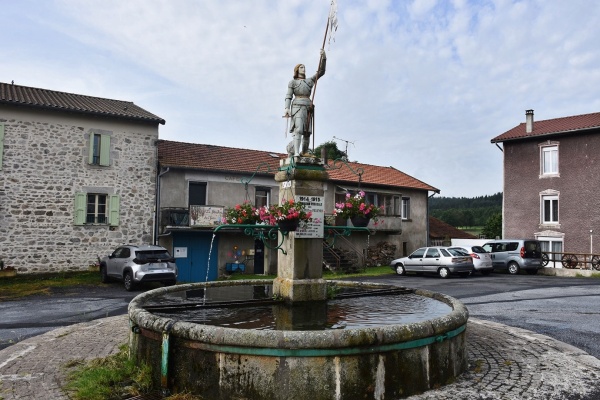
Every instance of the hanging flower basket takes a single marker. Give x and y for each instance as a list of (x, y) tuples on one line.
[(289, 210), (357, 207), (360, 221), (288, 225)]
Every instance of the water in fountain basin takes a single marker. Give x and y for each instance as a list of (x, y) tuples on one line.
[(343, 313)]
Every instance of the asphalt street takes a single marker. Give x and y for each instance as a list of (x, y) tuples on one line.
[(563, 308)]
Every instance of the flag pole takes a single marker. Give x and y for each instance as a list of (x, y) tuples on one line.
[(317, 80)]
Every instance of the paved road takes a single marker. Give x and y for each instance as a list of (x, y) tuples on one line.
[(567, 309), (35, 315), (564, 308)]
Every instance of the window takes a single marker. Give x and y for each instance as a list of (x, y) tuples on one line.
[(406, 208), (1, 143), (391, 204), (432, 253), (550, 209), (549, 160), (99, 151), (197, 194), (262, 197), (96, 209)]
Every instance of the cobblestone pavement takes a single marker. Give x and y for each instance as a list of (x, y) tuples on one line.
[(504, 363)]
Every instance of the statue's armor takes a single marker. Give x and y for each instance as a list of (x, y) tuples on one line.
[(301, 108)]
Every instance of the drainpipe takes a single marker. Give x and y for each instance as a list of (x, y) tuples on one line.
[(157, 205), (427, 229)]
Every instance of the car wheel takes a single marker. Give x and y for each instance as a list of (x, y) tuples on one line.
[(400, 269), (532, 271), (444, 272), (103, 275), (128, 281), (513, 268)]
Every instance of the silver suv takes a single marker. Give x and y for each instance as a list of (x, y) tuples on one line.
[(515, 254), (138, 264)]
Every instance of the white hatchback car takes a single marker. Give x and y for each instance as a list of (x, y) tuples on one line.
[(438, 260), (482, 260)]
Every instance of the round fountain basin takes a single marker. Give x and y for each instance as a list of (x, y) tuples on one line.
[(382, 347)]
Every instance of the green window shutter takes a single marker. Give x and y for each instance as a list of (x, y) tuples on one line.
[(80, 204), (91, 149), (1, 144), (105, 150), (113, 216)]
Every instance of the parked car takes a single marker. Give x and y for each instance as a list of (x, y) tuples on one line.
[(516, 254), (439, 260), (137, 264), (482, 260)]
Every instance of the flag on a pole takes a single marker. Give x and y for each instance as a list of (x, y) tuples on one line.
[(333, 21)]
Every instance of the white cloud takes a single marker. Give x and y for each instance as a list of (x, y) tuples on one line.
[(422, 86)]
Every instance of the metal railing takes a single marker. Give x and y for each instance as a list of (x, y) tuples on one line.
[(572, 260)]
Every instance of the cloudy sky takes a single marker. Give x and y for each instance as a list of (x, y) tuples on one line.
[(419, 85)]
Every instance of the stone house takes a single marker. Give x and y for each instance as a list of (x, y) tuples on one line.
[(198, 181), (551, 176), (77, 177)]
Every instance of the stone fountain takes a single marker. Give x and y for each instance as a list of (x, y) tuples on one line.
[(391, 361)]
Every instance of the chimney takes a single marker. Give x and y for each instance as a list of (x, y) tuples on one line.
[(529, 121)]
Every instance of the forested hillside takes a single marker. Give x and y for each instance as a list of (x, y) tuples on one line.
[(464, 211)]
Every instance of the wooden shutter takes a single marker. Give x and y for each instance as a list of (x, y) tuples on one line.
[(113, 214), (80, 206), (105, 150)]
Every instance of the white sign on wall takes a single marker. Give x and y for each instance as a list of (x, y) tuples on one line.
[(180, 252), (314, 228), (206, 215)]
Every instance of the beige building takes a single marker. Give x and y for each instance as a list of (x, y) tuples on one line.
[(77, 177), (213, 178)]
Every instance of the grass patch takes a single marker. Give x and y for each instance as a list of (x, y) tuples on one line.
[(38, 284), (113, 377)]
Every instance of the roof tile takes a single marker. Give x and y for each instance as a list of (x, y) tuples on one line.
[(554, 126), (228, 159), (50, 99)]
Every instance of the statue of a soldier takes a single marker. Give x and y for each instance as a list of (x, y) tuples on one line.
[(300, 109)]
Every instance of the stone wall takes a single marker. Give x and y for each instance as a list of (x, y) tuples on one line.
[(45, 163)]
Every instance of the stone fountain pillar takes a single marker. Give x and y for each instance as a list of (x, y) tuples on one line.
[(300, 269)]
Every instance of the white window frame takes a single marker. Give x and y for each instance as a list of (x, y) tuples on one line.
[(549, 151), (553, 197), (266, 197), (405, 208)]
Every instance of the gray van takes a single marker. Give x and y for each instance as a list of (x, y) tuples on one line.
[(515, 254)]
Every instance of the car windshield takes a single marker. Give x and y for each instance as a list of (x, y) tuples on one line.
[(152, 255)]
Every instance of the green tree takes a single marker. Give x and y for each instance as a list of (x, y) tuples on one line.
[(493, 227), (333, 153)]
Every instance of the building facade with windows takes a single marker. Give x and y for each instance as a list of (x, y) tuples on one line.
[(551, 177), (197, 182), (77, 177)]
